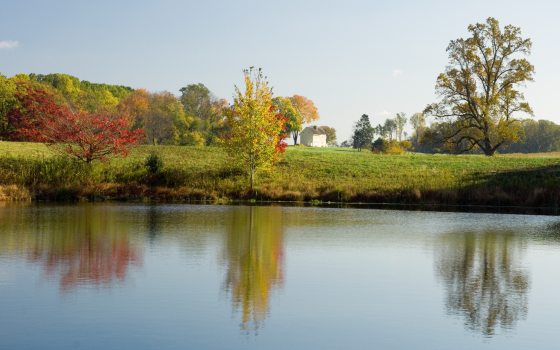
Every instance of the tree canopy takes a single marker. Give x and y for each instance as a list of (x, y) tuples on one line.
[(363, 133), (479, 90), (254, 129)]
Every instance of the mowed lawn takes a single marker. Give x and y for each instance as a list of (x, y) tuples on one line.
[(303, 174)]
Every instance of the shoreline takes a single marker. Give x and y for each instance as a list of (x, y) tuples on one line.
[(165, 195), (341, 177)]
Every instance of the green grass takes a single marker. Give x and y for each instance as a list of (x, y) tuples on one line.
[(304, 174)]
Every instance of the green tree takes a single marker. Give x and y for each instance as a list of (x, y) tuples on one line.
[(205, 110), (390, 127), (83, 95), (363, 133), (7, 101), (400, 123), (284, 106), (538, 136), (197, 100), (254, 129), (418, 121), (331, 134), (165, 121), (479, 88)]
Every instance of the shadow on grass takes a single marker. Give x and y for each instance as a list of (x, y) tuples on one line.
[(538, 187)]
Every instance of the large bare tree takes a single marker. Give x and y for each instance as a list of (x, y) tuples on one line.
[(479, 90)]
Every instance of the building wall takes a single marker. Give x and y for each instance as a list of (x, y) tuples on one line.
[(319, 141), (308, 138)]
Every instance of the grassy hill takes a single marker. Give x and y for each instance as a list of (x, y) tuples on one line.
[(34, 171)]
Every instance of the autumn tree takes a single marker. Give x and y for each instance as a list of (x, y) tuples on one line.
[(254, 128), (134, 107), (363, 133), (479, 90), (307, 113), (88, 136), (82, 135), (285, 107), (285, 113), (31, 111)]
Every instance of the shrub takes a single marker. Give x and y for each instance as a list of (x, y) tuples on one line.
[(390, 147), (194, 138), (153, 163), (380, 145)]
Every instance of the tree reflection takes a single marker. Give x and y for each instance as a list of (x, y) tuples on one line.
[(79, 245), (484, 281), (254, 255)]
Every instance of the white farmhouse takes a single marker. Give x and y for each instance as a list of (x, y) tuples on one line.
[(313, 136)]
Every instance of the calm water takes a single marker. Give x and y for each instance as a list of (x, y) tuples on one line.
[(219, 277)]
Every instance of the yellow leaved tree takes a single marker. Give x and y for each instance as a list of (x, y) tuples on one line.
[(254, 127)]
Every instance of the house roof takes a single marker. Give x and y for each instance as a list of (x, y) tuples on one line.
[(316, 130)]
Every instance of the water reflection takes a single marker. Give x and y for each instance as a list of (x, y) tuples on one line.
[(77, 246), (254, 257), (484, 280)]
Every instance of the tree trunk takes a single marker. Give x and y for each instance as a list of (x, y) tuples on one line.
[(252, 178), (488, 149), (295, 137), (251, 173)]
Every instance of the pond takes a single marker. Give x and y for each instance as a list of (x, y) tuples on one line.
[(123, 276)]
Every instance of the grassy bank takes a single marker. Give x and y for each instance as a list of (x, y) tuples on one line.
[(33, 171)]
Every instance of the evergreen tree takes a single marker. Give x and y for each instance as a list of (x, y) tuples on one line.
[(363, 133)]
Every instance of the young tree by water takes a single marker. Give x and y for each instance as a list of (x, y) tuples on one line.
[(254, 127), (479, 90)]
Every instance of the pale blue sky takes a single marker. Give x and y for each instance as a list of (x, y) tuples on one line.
[(350, 57)]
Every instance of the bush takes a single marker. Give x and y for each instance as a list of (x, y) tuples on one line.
[(153, 163), (193, 138), (380, 145), (390, 147)]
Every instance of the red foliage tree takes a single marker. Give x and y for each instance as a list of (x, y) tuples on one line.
[(281, 144), (282, 120), (34, 107), (83, 135), (92, 136)]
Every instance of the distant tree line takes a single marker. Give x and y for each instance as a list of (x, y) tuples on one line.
[(195, 117), (480, 109), (534, 136)]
